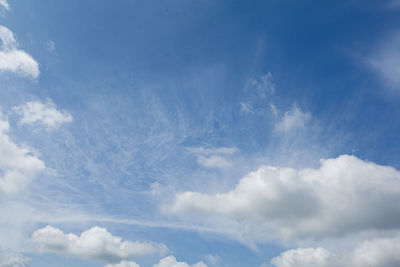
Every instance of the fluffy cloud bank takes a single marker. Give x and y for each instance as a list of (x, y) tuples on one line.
[(96, 244), (18, 165), (381, 252), (44, 113), (14, 60), (306, 203), (170, 261)]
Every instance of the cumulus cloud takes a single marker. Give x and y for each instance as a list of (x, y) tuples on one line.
[(14, 60), (380, 252), (44, 113), (18, 165), (123, 264), (304, 257), (306, 203), (293, 119), (213, 157), (4, 4), (170, 261), (9, 259), (96, 243)]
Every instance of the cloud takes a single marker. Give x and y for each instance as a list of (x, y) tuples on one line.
[(13, 59), (44, 113), (304, 257), (213, 157), (123, 264), (96, 244), (4, 4), (9, 259), (293, 119), (380, 252), (305, 203), (385, 60), (51, 45), (170, 261), (18, 165)]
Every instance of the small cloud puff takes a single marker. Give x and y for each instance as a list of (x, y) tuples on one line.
[(292, 120), (170, 261), (42, 113), (4, 4), (96, 244), (14, 60), (214, 157), (123, 264)]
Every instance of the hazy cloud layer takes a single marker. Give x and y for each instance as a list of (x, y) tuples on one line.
[(14, 60), (96, 243), (305, 203), (34, 112)]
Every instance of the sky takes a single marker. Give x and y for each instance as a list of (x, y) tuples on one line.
[(199, 133)]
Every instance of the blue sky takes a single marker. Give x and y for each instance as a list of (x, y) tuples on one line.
[(199, 133)]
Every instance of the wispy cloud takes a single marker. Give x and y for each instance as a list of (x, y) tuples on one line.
[(14, 60), (4, 4)]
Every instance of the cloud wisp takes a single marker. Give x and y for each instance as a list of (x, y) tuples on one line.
[(214, 157), (14, 60), (95, 244), (171, 261)]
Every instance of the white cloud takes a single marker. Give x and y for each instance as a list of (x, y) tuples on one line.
[(9, 259), (214, 157), (13, 59), (246, 107), (304, 257), (214, 162), (306, 203), (18, 165), (293, 119), (380, 252), (45, 113), (170, 261), (123, 264), (96, 243), (4, 4)]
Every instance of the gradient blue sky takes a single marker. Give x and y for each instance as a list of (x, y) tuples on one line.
[(151, 99)]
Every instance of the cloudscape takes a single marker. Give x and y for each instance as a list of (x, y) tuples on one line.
[(199, 133)]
